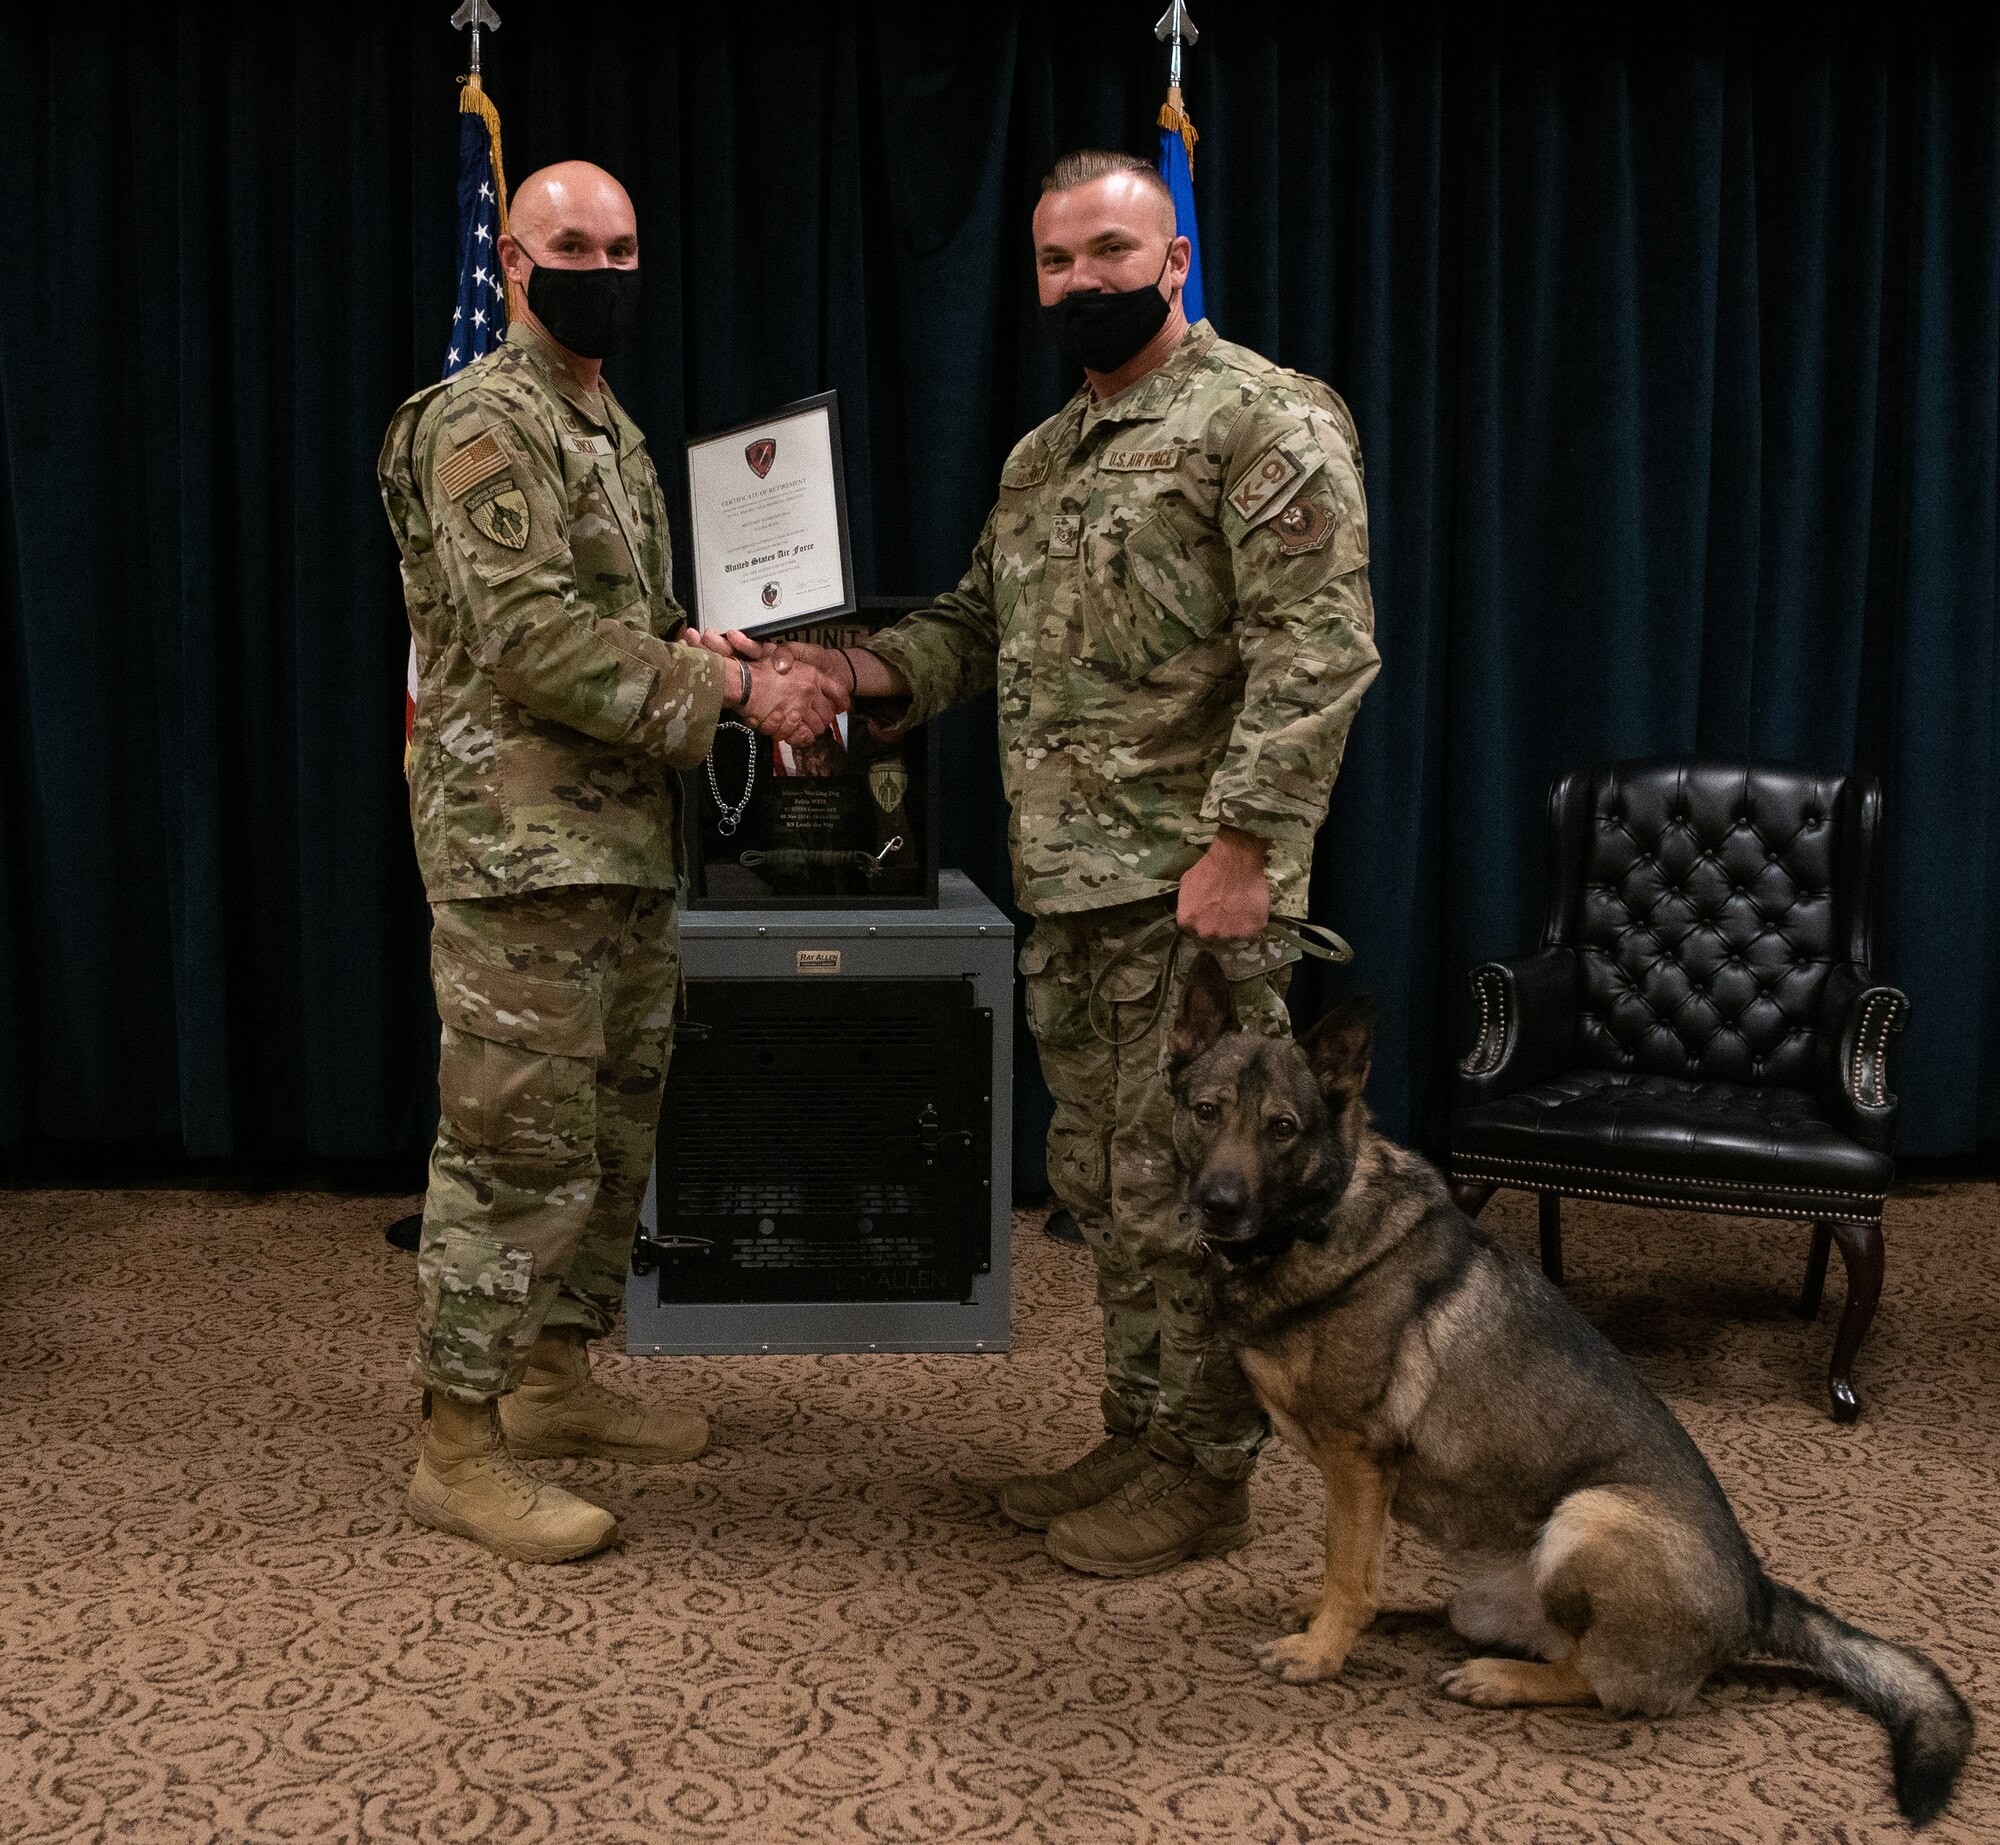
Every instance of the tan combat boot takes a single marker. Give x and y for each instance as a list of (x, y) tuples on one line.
[(468, 1484), (560, 1410), (1035, 1500), (1168, 1511)]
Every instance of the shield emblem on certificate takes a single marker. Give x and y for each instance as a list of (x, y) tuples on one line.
[(502, 516), (888, 782), (760, 454)]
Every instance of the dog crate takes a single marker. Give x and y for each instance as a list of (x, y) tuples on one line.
[(833, 1168)]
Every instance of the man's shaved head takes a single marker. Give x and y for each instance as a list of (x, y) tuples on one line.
[(571, 195), (568, 216)]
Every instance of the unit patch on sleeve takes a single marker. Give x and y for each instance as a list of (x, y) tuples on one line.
[(501, 514), (464, 468), (1263, 480), (1303, 525)]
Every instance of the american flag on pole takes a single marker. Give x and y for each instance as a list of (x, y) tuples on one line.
[(480, 315)]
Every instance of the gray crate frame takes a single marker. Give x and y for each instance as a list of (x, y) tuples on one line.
[(965, 937)]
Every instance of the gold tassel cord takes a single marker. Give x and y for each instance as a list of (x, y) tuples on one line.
[(473, 100), (1174, 119)]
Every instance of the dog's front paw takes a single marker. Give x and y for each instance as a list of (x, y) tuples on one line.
[(1478, 1681), (1300, 1659), (1296, 1616)]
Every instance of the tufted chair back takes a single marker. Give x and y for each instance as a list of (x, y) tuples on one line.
[(1706, 903)]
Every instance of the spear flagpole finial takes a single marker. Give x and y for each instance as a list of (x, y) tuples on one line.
[(1176, 28), (475, 13)]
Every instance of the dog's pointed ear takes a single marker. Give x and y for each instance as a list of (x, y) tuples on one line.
[(1341, 1049), (1206, 1011)]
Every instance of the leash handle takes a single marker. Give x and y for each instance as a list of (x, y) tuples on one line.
[(1309, 938)]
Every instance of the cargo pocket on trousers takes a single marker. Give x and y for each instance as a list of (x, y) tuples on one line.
[(1054, 995), (517, 1063)]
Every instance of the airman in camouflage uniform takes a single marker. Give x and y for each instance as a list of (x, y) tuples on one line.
[(554, 707), (1171, 596)]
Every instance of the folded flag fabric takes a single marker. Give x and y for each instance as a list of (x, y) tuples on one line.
[(1177, 139)]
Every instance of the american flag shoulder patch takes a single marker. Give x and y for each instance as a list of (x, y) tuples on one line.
[(465, 467)]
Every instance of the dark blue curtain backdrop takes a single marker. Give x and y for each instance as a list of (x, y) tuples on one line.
[(1675, 352)]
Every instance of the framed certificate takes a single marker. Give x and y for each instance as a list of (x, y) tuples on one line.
[(769, 504)]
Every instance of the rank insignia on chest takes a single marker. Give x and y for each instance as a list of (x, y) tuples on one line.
[(1065, 534), (501, 514)]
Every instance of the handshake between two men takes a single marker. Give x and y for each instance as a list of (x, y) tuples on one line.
[(789, 698), (1224, 896)]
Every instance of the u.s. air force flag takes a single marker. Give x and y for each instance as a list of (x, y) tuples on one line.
[(1177, 139)]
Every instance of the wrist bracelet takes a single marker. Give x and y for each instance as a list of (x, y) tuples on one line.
[(744, 701), (853, 678)]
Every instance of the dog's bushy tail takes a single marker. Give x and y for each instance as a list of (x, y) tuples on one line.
[(1930, 1728)]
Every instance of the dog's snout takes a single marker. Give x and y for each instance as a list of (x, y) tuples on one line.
[(1224, 1197)]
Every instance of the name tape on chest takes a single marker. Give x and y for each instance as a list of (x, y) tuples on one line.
[(598, 446), (464, 468), (1140, 460), (1263, 481)]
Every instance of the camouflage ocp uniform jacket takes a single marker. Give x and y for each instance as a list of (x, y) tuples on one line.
[(1172, 596), (553, 702)]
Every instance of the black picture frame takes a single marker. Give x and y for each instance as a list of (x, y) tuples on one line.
[(829, 401)]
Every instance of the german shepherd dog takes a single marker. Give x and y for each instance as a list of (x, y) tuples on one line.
[(1431, 1375)]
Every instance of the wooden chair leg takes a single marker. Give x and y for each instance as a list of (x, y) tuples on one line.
[(1822, 1246), (1861, 1250), (1471, 1195), (1552, 1237)]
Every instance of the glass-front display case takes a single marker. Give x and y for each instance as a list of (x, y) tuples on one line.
[(847, 822)]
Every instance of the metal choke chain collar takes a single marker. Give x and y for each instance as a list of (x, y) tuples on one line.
[(730, 818)]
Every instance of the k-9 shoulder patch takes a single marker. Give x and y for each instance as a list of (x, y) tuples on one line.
[(500, 512), (1262, 482), (465, 467)]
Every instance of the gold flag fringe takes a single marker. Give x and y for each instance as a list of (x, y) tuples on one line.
[(473, 100), (1174, 119)]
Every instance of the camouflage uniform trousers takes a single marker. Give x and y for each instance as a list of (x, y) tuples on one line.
[(558, 1019), (1111, 1160)]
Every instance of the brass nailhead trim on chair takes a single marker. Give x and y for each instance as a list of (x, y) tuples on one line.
[(1486, 1048), (1722, 1207), (1882, 1005), (1734, 1185)]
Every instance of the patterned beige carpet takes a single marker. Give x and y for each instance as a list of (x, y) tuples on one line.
[(215, 1623)]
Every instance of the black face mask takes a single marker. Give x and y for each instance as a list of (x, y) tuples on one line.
[(1102, 331), (593, 312)]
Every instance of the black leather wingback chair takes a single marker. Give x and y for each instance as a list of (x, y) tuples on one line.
[(1699, 1029)]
